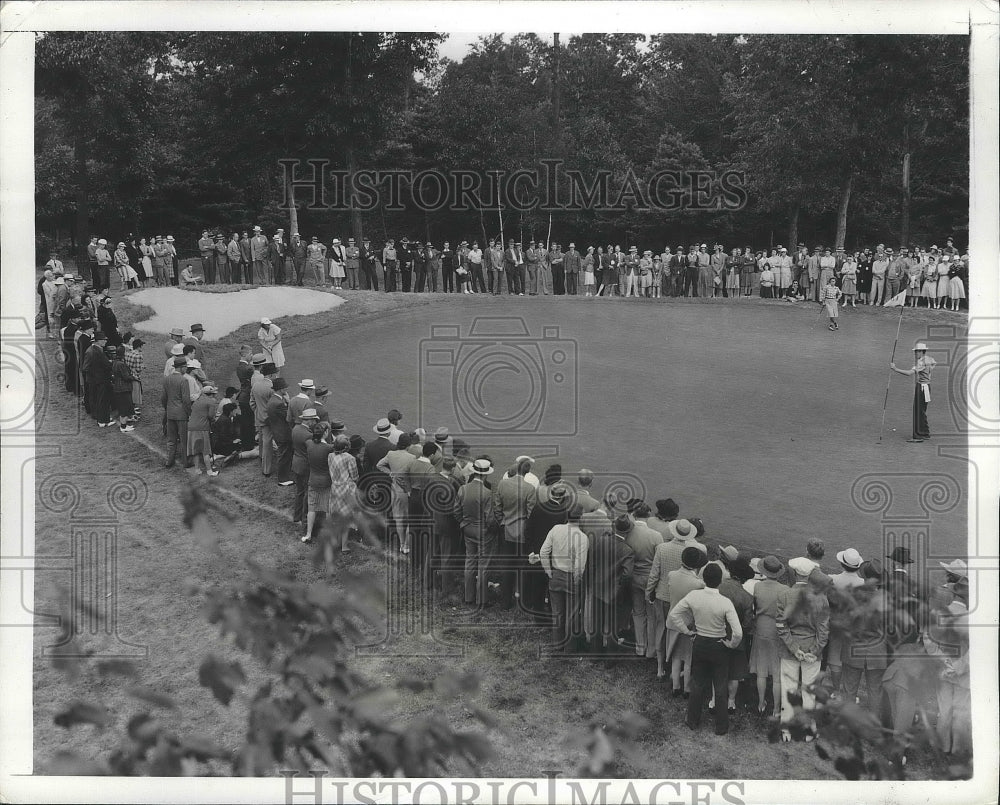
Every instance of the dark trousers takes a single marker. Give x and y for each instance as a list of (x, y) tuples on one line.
[(571, 283), (208, 269), (447, 280), (390, 275), (921, 430), (372, 277), (283, 460), (301, 493), (225, 271), (478, 281), (278, 271), (299, 264), (558, 280), (709, 670), (90, 272), (510, 560), (691, 281), (177, 434), (420, 280), (407, 273), (100, 401)]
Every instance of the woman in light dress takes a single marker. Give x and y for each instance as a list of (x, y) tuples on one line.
[(956, 284), (929, 290), (588, 272), (343, 503), (941, 294), (269, 336), (849, 281)]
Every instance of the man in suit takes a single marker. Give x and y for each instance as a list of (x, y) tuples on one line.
[(405, 258), (369, 277), (258, 254), (531, 259), (546, 515), (643, 541), (175, 398), (513, 263), (281, 430), (377, 449), (197, 335), (544, 269), (803, 624), (447, 268), (276, 260), (352, 262), (260, 394), (301, 401), (297, 249), (558, 274), (479, 525), (513, 500), (96, 368), (571, 266), (609, 577), (206, 248)]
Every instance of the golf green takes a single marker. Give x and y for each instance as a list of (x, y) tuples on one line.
[(750, 414)]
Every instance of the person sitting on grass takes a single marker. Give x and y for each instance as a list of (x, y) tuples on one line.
[(227, 447), (188, 277)]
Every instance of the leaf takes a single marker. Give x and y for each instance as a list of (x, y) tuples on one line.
[(201, 747), (147, 694), (221, 676), (83, 713)]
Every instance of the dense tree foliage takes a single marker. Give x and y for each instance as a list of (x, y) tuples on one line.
[(842, 139)]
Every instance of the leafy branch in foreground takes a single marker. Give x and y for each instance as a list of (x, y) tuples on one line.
[(313, 709)]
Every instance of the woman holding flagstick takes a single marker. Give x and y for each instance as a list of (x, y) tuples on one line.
[(921, 372)]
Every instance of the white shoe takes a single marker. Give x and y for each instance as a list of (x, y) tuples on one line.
[(127, 429), (213, 473)]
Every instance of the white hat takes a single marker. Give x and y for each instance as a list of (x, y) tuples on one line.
[(920, 346), (850, 558), (801, 565), (336, 242), (256, 229), (58, 281), (102, 242), (177, 349), (519, 459), (194, 363), (68, 276), (682, 529), (170, 238), (382, 427), (956, 568), (309, 413), (306, 383), (482, 466), (265, 320)]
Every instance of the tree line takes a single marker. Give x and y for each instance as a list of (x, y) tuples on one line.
[(842, 139)]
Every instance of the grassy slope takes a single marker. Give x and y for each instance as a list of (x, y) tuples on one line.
[(542, 704)]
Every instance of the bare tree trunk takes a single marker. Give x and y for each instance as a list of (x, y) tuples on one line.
[(904, 224), (293, 211), (356, 223), (556, 87), (793, 226), (82, 225), (845, 202)]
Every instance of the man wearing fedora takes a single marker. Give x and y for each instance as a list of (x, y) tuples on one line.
[(643, 541), (175, 399), (276, 260), (194, 339), (301, 401), (260, 394), (258, 255), (280, 430), (841, 598), (803, 626), (176, 337), (571, 266), (479, 525), (513, 500), (921, 373), (376, 449), (608, 584), (301, 436)]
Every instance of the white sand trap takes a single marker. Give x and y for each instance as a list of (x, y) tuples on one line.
[(222, 313)]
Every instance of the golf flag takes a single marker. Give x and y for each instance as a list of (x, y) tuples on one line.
[(899, 300)]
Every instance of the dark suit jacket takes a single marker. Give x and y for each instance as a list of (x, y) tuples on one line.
[(96, 367), (277, 418), (609, 567), (375, 451), (176, 397)]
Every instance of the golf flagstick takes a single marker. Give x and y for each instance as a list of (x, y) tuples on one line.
[(888, 380)]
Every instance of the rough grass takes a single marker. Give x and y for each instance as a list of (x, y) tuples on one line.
[(542, 704)]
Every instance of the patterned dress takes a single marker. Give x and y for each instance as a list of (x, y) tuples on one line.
[(343, 485)]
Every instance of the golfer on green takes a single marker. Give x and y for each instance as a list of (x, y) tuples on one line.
[(921, 391)]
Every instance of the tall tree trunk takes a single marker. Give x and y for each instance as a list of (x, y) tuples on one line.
[(845, 202), (356, 224), (293, 211), (793, 226), (556, 87), (904, 224), (82, 225)]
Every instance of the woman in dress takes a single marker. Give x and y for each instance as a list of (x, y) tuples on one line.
[(929, 291), (318, 495), (677, 645), (657, 277), (849, 280), (109, 322), (269, 336), (135, 260), (915, 274), (343, 503), (397, 463), (123, 266), (942, 282), (733, 273), (956, 284), (146, 260), (588, 272), (864, 275)]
